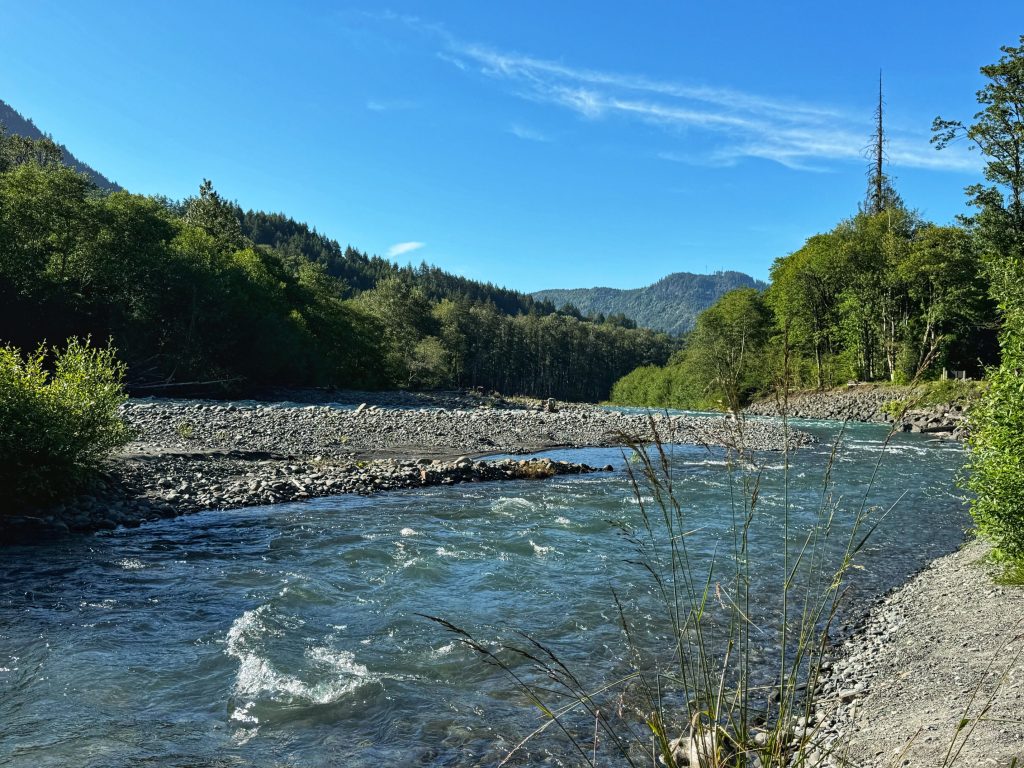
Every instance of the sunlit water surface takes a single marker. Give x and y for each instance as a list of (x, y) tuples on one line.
[(291, 635)]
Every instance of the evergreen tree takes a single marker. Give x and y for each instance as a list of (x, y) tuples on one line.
[(881, 193)]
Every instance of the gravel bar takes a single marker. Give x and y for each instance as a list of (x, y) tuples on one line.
[(197, 455)]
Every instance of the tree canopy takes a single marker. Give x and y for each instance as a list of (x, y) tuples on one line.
[(200, 291), (996, 464), (880, 297)]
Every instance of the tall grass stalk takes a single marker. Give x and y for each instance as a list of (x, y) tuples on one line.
[(704, 700)]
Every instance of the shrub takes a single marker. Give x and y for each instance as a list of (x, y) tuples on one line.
[(57, 422), (996, 463), (951, 391)]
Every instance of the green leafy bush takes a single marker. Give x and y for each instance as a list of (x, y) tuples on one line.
[(996, 465), (928, 394), (57, 422), (950, 391)]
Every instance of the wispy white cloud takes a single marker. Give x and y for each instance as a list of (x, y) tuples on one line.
[(731, 125), (455, 61), (544, 73), (399, 249), (389, 106), (528, 134), (909, 153)]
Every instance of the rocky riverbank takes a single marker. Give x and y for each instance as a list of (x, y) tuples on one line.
[(371, 431), (870, 402), (196, 455), (141, 488), (936, 663)]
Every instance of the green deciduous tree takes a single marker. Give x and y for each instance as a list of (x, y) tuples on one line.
[(997, 438), (726, 348), (948, 294), (804, 296)]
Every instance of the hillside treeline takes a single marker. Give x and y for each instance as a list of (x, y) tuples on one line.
[(671, 304), (883, 296), (199, 291)]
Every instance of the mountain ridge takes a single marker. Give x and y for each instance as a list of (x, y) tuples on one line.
[(670, 304), (15, 123)]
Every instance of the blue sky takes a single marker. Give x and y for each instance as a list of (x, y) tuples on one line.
[(533, 144)]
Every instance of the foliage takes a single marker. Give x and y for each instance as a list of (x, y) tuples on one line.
[(998, 132), (949, 392), (927, 394), (24, 140), (880, 297), (200, 292), (671, 304), (725, 352), (996, 464), (997, 422), (297, 244), (658, 387), (722, 364), (57, 422)]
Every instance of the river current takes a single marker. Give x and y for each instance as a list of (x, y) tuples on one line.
[(293, 635)]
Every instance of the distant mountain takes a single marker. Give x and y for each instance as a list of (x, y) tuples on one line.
[(671, 304), (13, 121)]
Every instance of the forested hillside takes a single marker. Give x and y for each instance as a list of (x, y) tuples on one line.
[(671, 304), (14, 123), (883, 296), (200, 292), (296, 243)]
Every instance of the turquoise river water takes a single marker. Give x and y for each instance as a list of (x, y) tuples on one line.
[(291, 635)]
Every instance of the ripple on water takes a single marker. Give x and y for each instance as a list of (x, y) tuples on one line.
[(512, 506), (294, 634), (541, 550), (330, 674)]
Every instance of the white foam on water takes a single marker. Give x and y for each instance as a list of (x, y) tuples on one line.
[(562, 520), (874, 446), (243, 736), (338, 660), (408, 532), (243, 714), (131, 564), (707, 463), (643, 499), (452, 553), (337, 673), (539, 550), (510, 505), (444, 650), (108, 603)]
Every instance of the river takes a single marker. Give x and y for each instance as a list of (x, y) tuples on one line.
[(292, 635)]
